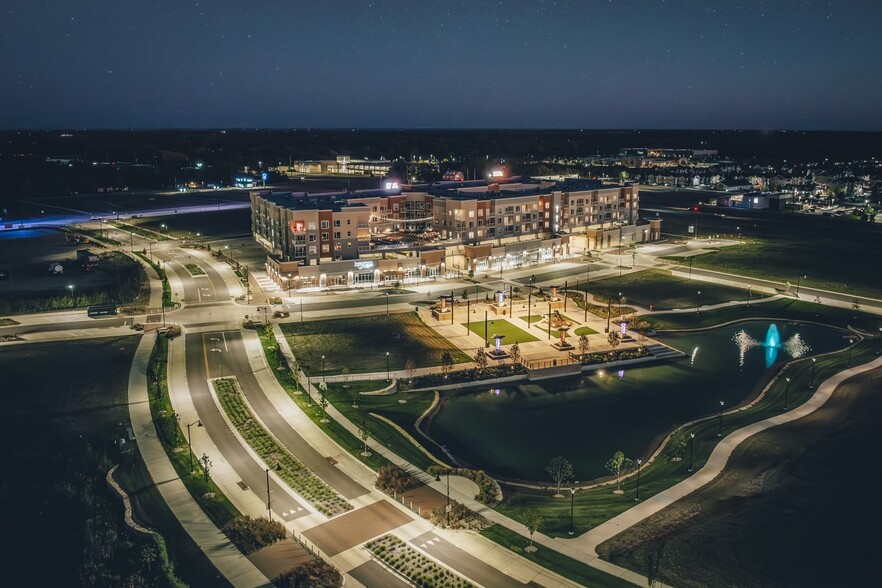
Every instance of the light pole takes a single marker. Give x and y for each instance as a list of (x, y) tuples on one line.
[(289, 285), (486, 336), (639, 461), (165, 228), (446, 508), (850, 345), (572, 505), (301, 310), (698, 305), (879, 342), (720, 422), (691, 449), (387, 367), (797, 285), (269, 504), (549, 320), (198, 423), (323, 369), (529, 307), (812, 380), (786, 390), (748, 295), (387, 304), (73, 302), (566, 294)]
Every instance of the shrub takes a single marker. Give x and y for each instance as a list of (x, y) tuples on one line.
[(249, 534), (391, 478), (312, 574)]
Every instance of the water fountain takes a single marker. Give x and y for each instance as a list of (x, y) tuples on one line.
[(795, 346)]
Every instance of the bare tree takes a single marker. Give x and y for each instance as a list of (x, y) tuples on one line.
[(617, 466), (323, 402), (584, 344), (206, 467), (614, 339), (410, 370), (560, 470), (481, 359), (515, 353), (446, 363)]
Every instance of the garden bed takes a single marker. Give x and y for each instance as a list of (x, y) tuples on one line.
[(413, 565)]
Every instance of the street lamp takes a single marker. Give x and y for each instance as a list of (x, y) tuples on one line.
[(786, 390), (387, 367), (323, 368), (879, 342), (698, 306), (73, 302), (797, 285), (446, 508), (748, 295), (812, 380), (850, 345), (691, 449), (387, 304), (198, 423), (289, 285), (269, 504), (166, 229), (572, 505), (720, 423), (301, 310), (639, 461)]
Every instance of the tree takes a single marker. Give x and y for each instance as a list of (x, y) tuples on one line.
[(617, 466), (515, 353), (560, 471), (678, 444), (206, 467), (323, 402), (410, 369), (481, 359), (465, 294), (446, 363), (584, 344), (315, 572), (614, 339), (533, 521), (364, 434)]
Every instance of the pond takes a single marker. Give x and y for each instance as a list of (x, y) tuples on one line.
[(514, 432)]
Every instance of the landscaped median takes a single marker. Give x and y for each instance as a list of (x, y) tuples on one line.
[(413, 565), (273, 453)]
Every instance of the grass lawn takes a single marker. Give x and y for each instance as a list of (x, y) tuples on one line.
[(360, 344), (663, 291), (563, 565), (501, 326), (828, 264), (185, 226), (782, 308), (584, 331), (402, 414)]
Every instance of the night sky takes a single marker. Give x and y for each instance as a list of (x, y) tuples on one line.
[(751, 64)]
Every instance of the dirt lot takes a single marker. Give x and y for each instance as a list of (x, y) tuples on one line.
[(796, 506), (28, 254)]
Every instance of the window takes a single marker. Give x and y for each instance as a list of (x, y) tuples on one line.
[(324, 236), (326, 248), (311, 238), (311, 225), (336, 222), (336, 234), (324, 224), (348, 221), (471, 214), (338, 246), (312, 249)]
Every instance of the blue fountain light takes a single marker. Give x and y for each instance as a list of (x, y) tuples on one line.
[(773, 345)]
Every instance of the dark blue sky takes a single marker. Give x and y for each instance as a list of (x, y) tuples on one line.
[(459, 63)]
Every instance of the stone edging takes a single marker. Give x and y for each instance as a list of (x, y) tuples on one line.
[(127, 504)]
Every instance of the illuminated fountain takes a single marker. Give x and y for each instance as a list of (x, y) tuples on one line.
[(795, 346)]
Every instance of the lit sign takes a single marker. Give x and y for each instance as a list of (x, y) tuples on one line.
[(364, 265), (496, 173), (624, 329), (391, 185)]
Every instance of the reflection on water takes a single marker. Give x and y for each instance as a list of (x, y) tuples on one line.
[(795, 346)]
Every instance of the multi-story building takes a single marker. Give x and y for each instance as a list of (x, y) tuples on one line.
[(426, 231)]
